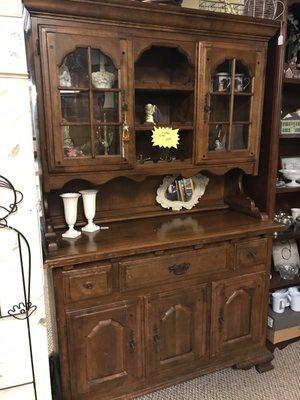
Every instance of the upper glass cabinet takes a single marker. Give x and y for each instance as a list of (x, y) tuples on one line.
[(89, 100), (231, 88)]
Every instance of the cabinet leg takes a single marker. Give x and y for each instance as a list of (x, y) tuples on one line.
[(262, 362), (264, 367)]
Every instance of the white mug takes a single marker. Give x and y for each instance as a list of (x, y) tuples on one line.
[(294, 299), (295, 213), (293, 289), (285, 292), (241, 83), (223, 81), (279, 302)]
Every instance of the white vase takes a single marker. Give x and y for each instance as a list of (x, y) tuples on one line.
[(89, 207), (70, 207)]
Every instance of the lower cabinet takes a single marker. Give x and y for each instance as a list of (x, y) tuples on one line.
[(153, 336), (105, 351), (238, 312), (176, 330)]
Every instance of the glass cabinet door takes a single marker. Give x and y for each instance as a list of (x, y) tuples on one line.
[(89, 97), (231, 89)]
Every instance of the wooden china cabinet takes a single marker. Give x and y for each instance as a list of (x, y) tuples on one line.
[(160, 296)]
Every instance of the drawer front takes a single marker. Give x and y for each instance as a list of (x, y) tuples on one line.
[(87, 283), (252, 252), (173, 267)]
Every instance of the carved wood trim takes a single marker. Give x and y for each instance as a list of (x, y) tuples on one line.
[(50, 242), (237, 199)]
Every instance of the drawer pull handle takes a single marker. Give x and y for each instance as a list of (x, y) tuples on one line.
[(179, 269), (132, 342), (88, 285)]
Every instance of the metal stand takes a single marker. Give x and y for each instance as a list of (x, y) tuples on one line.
[(24, 309)]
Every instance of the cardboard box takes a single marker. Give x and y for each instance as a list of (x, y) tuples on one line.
[(282, 327)]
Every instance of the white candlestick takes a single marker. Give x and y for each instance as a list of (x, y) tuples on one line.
[(70, 207), (89, 206)]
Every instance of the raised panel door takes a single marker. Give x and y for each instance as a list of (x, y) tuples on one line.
[(104, 348), (238, 313), (176, 329)]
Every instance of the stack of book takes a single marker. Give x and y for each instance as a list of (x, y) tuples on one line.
[(181, 190)]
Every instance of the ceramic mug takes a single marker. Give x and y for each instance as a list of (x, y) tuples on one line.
[(240, 82), (294, 298), (295, 213), (293, 289), (280, 301), (222, 82)]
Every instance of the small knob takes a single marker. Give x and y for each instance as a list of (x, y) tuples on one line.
[(88, 285)]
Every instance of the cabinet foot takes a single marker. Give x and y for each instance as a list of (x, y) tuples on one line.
[(264, 367), (262, 362)]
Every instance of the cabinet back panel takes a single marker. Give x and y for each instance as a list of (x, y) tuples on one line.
[(122, 198)]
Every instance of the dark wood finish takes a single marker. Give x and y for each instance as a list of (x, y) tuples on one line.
[(291, 81), (54, 41), (155, 234), (176, 333), (106, 348), (174, 267), (215, 54), (94, 282), (160, 297), (277, 282), (236, 323)]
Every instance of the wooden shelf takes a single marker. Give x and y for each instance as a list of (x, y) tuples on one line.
[(229, 94), (149, 127), (278, 283), (82, 89), (116, 90), (227, 123), (291, 81), (243, 94), (175, 163), (288, 235), (75, 123), (218, 123), (73, 89), (220, 93), (294, 136), (288, 189), (157, 86)]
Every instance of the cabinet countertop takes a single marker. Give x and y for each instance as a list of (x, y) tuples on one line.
[(153, 234)]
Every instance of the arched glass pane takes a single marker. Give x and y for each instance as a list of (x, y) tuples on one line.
[(73, 71), (104, 73)]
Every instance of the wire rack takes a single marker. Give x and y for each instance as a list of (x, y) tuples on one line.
[(269, 9), (23, 308)]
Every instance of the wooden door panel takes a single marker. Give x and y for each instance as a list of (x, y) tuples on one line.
[(237, 315), (105, 348), (56, 44), (237, 312), (176, 318), (240, 133), (176, 327)]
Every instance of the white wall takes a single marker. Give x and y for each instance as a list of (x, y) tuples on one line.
[(17, 164)]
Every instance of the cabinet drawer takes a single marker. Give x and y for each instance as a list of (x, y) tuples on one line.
[(172, 267), (87, 283), (251, 252)]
